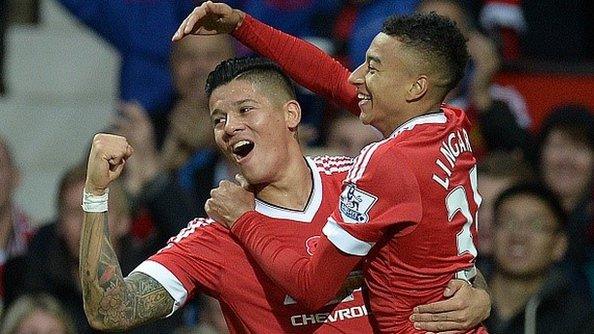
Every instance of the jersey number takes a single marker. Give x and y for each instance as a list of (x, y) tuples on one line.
[(456, 201)]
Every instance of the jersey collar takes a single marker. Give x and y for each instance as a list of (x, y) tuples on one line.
[(313, 204), (435, 117)]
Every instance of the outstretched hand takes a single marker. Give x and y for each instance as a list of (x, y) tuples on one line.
[(209, 19)]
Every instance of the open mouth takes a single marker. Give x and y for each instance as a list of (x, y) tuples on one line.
[(242, 148)]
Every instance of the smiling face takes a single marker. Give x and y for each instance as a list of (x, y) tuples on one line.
[(383, 83), (255, 130), (527, 239)]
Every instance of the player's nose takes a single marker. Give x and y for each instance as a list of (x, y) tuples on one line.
[(358, 76), (233, 125)]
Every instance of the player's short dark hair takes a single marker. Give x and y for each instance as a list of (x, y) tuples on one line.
[(258, 69), (536, 190), (436, 38)]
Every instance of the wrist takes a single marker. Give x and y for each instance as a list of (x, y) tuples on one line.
[(95, 203), (95, 191), (241, 17)]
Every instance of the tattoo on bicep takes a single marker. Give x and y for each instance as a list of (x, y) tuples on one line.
[(117, 302)]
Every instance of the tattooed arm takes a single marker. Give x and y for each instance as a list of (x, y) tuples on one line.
[(111, 301)]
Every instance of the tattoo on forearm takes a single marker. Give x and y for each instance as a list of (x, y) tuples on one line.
[(112, 301)]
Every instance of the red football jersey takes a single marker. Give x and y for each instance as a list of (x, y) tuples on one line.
[(205, 258), (414, 197), (409, 204)]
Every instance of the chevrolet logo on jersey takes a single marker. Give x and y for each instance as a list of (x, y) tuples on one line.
[(355, 204)]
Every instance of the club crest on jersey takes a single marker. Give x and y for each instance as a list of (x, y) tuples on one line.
[(355, 204)]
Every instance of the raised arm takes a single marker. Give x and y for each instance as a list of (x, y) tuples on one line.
[(111, 301), (305, 63)]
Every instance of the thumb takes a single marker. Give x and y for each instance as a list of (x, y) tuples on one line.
[(242, 181), (453, 286), (117, 170)]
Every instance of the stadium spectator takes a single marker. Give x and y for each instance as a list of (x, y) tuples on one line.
[(566, 162), (52, 264), (204, 256), (530, 294), (402, 98), (15, 226), (497, 171), (499, 111), (38, 314), (187, 160)]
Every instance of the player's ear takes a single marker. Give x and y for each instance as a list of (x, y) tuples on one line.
[(292, 114), (418, 88)]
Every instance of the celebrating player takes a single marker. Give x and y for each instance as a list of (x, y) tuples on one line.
[(409, 203), (255, 118)]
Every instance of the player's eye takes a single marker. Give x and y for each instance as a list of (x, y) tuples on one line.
[(371, 69), (245, 109), (218, 120)]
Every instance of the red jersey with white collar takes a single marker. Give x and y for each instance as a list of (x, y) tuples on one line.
[(411, 196), (205, 258)]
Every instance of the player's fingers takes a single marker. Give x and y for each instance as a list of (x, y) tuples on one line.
[(199, 13), (434, 317), (453, 286), (180, 30), (436, 327), (129, 151), (242, 181), (216, 7), (440, 307)]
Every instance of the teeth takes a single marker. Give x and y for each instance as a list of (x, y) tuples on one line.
[(240, 144), (363, 96)]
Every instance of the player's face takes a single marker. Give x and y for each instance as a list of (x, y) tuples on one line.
[(252, 129), (527, 240), (567, 165), (382, 83)]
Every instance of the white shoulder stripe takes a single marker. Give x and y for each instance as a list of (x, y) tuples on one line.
[(166, 278), (344, 241)]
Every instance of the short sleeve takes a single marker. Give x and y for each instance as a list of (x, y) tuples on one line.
[(192, 260), (380, 194)]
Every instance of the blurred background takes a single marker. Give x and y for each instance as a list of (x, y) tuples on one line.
[(72, 68)]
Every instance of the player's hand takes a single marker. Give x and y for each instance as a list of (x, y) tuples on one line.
[(210, 19), (464, 310), (106, 161), (229, 201)]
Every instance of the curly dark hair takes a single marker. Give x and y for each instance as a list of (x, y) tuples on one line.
[(259, 69), (436, 38)]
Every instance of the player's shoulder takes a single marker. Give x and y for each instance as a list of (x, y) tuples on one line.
[(199, 228), (330, 165)]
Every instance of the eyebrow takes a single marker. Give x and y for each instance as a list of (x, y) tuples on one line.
[(373, 58), (244, 101)]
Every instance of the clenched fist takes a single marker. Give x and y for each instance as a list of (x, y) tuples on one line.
[(106, 162), (229, 201)]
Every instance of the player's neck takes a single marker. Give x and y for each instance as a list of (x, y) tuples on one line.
[(510, 294), (412, 111), (292, 188)]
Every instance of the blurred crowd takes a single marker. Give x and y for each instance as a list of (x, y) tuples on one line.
[(536, 222)]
